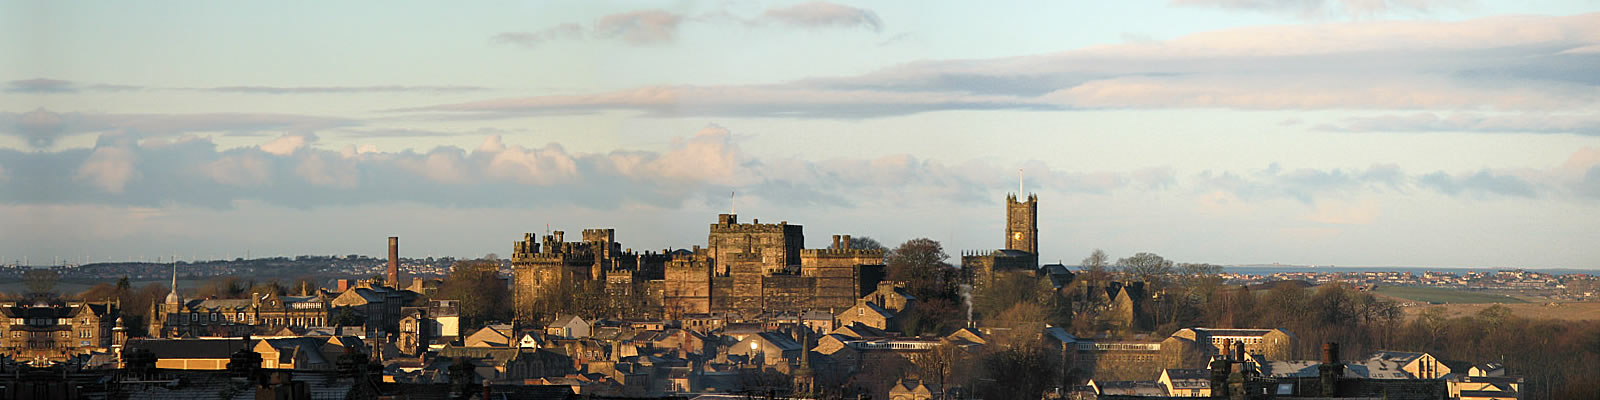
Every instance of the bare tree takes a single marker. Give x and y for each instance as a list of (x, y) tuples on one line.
[(1147, 267), (41, 281)]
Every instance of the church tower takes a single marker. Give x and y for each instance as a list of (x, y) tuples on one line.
[(168, 310), (1022, 223)]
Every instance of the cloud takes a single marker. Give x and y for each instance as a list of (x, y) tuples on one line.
[(1490, 66), (40, 85), (1313, 186), (1590, 185), (41, 127), (819, 14), (289, 170), (1319, 9), (1580, 124), (1481, 182), (1303, 184), (747, 101), (646, 27), (48, 85), (109, 168), (344, 89), (287, 144), (1364, 212), (657, 27), (568, 31)]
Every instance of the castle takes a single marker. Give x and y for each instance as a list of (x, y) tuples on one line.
[(749, 268)]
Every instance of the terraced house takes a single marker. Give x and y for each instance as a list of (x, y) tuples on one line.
[(56, 332)]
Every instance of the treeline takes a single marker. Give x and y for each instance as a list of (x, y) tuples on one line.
[(1560, 359)]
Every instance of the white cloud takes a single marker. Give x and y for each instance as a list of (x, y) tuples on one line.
[(42, 127), (657, 27), (824, 14), (286, 144), (109, 168), (646, 27), (1531, 64), (244, 170), (1582, 124), (1318, 9)]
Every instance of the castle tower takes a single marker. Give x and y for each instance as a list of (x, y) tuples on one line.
[(1022, 224)]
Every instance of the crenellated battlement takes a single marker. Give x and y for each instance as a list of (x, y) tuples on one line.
[(852, 253)]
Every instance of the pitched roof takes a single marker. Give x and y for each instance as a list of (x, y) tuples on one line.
[(189, 348), (783, 342)]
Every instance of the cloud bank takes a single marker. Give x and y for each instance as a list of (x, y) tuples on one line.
[(290, 170), (1323, 9), (657, 27), (41, 127), (1532, 65)]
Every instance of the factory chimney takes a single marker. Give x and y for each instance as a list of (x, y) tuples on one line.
[(393, 278)]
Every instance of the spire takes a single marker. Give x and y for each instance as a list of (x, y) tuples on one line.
[(172, 298)]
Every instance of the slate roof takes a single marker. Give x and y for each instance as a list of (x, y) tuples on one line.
[(783, 342), (189, 348)]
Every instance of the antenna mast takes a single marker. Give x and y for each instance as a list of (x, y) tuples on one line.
[(733, 205), (1019, 183)]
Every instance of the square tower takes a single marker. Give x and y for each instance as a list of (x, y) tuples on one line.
[(1022, 224)]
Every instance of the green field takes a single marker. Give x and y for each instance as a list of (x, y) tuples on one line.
[(1441, 295)]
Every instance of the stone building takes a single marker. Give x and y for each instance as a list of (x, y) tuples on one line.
[(751, 268), (1274, 344), (1021, 252), (175, 317), (58, 331)]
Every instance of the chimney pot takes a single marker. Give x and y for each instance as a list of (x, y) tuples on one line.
[(846, 240)]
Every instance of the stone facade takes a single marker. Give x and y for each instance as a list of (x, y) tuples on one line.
[(238, 317), (1021, 252), (751, 268), (1022, 224), (56, 332)]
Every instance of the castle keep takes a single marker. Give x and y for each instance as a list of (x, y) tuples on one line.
[(750, 268)]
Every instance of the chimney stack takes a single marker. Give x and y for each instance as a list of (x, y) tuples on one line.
[(836, 242), (846, 242), (1331, 369), (393, 278)]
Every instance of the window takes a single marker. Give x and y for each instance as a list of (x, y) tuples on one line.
[(66, 334), (16, 334), (213, 317), (194, 317)]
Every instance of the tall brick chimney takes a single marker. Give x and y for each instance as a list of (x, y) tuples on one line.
[(393, 278), (844, 240), (1330, 370)]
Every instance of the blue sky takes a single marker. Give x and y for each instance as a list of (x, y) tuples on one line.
[(1344, 132)]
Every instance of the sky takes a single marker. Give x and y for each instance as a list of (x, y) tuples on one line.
[(1324, 132)]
